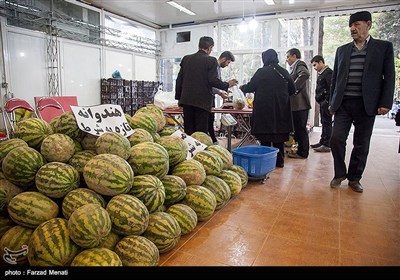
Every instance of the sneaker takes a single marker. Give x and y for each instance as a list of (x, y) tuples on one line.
[(316, 145), (323, 149), (336, 182)]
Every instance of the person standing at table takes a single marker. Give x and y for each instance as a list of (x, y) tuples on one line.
[(271, 120), (224, 60), (193, 90), (300, 102), (362, 87), (322, 91)]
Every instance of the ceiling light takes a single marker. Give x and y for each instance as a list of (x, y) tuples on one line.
[(243, 26), (269, 2), (253, 24), (180, 8), (291, 2)]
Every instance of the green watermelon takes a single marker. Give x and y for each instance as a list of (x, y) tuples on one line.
[(79, 197), (185, 216), (211, 162), (140, 135), (163, 230), (201, 200), (175, 189), (8, 145), (150, 190), (129, 216), (89, 225), (233, 180), (33, 131), (56, 179), (177, 148), (219, 188), (108, 174), (16, 240), (136, 250), (113, 143), (57, 147), (149, 159), (30, 209), (50, 244), (97, 257), (191, 171)]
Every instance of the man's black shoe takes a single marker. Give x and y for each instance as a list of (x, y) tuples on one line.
[(356, 186), (316, 145), (336, 182)]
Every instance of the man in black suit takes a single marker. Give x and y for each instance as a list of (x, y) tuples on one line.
[(322, 98), (362, 87), (196, 78)]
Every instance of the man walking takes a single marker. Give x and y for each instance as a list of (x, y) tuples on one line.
[(362, 87), (322, 98), (196, 78)]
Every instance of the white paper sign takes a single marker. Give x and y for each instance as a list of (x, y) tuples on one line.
[(100, 119), (194, 146)]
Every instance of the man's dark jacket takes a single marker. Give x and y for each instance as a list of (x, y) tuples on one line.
[(378, 76), (196, 78)]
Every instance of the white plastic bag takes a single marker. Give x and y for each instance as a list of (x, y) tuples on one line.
[(239, 100), (165, 99)]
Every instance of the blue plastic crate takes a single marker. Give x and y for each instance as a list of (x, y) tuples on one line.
[(258, 161)]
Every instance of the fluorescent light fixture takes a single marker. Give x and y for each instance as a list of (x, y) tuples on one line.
[(291, 2), (253, 24), (180, 8), (269, 2)]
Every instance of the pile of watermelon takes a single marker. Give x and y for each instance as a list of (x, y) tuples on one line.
[(68, 198)]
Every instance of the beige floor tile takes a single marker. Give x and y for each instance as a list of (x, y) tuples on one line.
[(279, 251)]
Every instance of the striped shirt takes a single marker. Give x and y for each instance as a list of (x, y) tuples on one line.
[(356, 70)]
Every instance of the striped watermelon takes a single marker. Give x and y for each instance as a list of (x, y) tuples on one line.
[(155, 136), (167, 130), (136, 250), (79, 160), (97, 257), (88, 141), (113, 143), (30, 209), (33, 131), (57, 147), (128, 215), (191, 171), (185, 216), (50, 244), (177, 148), (66, 124), (56, 179), (211, 162), (79, 197), (201, 200), (78, 146), (150, 190), (156, 113), (175, 189), (15, 240), (143, 120), (89, 225), (224, 153), (110, 241), (219, 188), (108, 174), (233, 180), (163, 230), (8, 145), (244, 177), (21, 164), (202, 137), (140, 135), (149, 159), (7, 191)]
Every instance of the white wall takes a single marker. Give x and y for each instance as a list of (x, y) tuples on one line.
[(170, 48), (26, 64), (145, 68), (118, 60), (80, 72)]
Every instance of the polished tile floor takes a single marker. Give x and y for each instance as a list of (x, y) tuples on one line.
[(296, 219)]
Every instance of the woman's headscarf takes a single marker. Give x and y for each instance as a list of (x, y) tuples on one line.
[(270, 57)]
